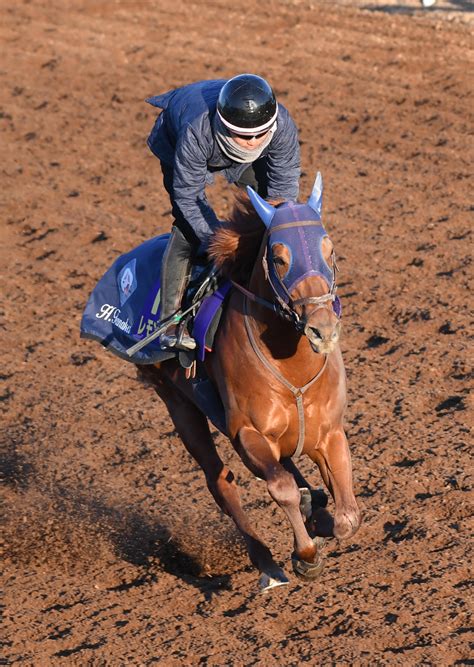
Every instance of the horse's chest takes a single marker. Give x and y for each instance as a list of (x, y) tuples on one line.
[(288, 420)]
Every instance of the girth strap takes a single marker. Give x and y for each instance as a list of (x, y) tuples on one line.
[(298, 392)]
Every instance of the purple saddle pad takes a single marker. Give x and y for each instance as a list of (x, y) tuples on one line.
[(205, 317)]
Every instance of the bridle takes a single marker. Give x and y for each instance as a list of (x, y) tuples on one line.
[(283, 304)]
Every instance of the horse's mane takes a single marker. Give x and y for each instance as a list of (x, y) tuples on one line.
[(235, 244)]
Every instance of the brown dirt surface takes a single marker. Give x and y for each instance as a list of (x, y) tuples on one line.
[(113, 551)]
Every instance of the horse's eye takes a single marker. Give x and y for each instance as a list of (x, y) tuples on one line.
[(281, 257)]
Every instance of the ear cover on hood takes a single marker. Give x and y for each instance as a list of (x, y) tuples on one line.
[(265, 210), (315, 199)]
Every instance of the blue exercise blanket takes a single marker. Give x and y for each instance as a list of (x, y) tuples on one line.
[(124, 306)]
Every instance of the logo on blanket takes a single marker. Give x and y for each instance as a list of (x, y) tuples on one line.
[(127, 281), (110, 313)]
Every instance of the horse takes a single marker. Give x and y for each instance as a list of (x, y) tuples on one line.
[(278, 370)]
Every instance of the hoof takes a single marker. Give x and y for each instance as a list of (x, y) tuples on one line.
[(309, 571), (346, 524), (273, 580)]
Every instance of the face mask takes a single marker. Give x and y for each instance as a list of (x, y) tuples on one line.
[(235, 152)]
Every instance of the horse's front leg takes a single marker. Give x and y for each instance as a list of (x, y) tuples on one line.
[(334, 461), (312, 500), (257, 454)]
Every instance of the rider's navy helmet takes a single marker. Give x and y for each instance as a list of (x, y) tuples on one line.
[(247, 104)]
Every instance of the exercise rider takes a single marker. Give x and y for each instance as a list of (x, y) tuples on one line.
[(231, 126)]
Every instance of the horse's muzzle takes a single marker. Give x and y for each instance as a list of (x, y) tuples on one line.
[(323, 340)]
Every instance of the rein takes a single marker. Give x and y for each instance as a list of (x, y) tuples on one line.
[(286, 313), (298, 392)]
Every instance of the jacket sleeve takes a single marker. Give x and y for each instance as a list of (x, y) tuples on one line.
[(189, 183), (284, 167)]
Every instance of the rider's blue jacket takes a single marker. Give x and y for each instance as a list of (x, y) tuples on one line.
[(182, 138)]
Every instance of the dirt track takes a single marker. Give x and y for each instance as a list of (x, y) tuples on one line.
[(114, 552)]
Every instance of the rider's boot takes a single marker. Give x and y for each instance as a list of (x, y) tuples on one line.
[(174, 278)]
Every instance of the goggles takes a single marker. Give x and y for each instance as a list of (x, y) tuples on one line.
[(248, 137)]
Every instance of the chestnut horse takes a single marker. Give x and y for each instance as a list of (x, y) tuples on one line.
[(278, 369)]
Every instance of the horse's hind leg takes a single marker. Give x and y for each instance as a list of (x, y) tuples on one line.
[(334, 461), (194, 431)]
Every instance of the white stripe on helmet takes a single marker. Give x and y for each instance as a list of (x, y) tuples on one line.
[(249, 130)]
